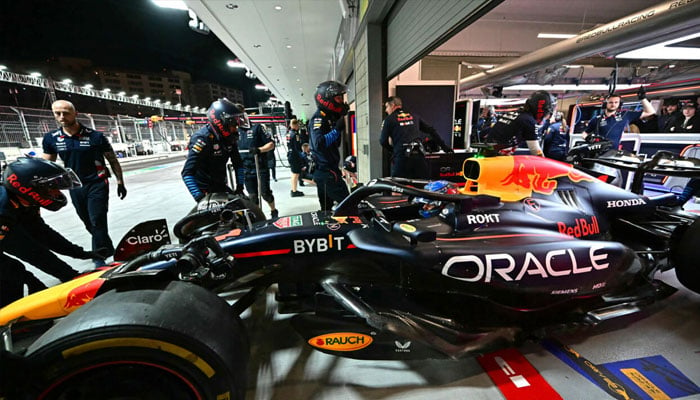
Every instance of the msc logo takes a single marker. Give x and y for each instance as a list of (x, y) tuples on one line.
[(341, 341)]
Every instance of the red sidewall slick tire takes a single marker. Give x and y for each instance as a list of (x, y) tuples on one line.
[(179, 342)]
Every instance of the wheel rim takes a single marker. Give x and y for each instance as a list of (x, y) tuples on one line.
[(123, 380)]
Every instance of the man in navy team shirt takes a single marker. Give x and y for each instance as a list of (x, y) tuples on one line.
[(84, 150), (612, 123)]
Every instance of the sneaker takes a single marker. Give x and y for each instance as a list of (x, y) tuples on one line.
[(297, 193), (274, 214), (301, 183)]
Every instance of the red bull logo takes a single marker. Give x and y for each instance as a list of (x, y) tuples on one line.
[(580, 227), (82, 294), (539, 174), (13, 181)]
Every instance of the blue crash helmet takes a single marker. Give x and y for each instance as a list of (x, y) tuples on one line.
[(430, 207)]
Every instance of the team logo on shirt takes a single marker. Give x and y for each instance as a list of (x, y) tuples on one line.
[(199, 145)]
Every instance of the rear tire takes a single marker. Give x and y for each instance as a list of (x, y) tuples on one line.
[(177, 342), (685, 255)]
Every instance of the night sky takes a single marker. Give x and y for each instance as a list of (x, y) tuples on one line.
[(129, 34)]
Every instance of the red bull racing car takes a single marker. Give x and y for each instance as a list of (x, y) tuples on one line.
[(526, 246)]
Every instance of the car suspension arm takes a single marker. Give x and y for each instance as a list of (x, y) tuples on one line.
[(411, 327)]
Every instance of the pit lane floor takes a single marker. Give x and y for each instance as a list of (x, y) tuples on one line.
[(282, 366)]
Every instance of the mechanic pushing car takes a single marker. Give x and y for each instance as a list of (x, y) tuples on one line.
[(210, 149), (327, 126), (28, 184), (515, 127)]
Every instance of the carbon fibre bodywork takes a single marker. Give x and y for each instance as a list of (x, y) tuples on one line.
[(527, 246)]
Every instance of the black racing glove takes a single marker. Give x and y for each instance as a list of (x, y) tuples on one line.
[(340, 125), (641, 93), (254, 150), (121, 191)]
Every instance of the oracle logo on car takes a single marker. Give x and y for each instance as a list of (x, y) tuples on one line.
[(505, 267), (341, 341)]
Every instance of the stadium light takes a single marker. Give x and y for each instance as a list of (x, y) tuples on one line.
[(174, 4), (235, 64)]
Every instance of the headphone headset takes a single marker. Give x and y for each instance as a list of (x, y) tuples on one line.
[(605, 102)]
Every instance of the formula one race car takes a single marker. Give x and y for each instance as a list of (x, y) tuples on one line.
[(529, 245)]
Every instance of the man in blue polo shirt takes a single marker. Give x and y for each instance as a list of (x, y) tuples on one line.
[(612, 123), (84, 150)]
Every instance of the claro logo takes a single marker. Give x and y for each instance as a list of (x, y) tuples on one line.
[(158, 236), (342, 341)]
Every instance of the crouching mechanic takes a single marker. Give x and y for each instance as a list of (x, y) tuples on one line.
[(251, 143), (211, 148), (515, 127), (28, 184)]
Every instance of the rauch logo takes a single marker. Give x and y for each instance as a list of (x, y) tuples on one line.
[(341, 341)]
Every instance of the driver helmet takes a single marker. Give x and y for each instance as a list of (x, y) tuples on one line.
[(540, 104), (326, 98), (39, 182), (225, 118), (431, 207)]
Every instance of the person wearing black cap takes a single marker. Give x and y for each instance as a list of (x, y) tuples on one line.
[(670, 116), (690, 122)]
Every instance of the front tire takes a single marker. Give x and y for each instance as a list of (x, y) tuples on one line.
[(176, 342)]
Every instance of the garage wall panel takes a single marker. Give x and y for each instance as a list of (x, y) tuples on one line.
[(415, 27)]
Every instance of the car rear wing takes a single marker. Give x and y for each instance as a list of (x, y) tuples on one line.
[(661, 163)]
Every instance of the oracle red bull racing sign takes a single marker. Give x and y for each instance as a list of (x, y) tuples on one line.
[(513, 178)]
